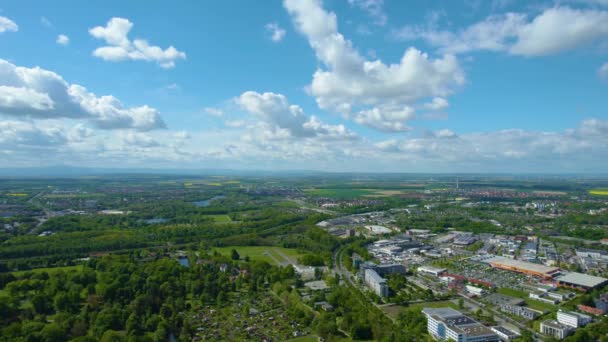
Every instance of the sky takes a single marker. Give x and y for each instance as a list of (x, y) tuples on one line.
[(331, 85)]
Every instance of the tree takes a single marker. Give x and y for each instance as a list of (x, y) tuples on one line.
[(52, 333), (234, 255), (461, 303)]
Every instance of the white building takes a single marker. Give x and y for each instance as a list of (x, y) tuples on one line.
[(475, 290), (446, 324), (555, 329), (376, 283), (573, 319), (430, 270), (504, 333)]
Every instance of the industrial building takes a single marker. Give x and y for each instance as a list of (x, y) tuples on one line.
[(580, 281), (446, 324), (524, 267)]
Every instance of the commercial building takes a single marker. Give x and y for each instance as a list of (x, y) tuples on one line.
[(521, 311), (573, 319), (581, 281), (528, 268), (376, 282), (504, 333), (430, 270), (555, 329), (446, 324)]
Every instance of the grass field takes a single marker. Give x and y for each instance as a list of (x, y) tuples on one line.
[(599, 192), (220, 218), (512, 292), (50, 270), (259, 253), (73, 195), (394, 310)]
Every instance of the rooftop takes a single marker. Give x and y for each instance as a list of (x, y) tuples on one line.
[(522, 265), (582, 279)]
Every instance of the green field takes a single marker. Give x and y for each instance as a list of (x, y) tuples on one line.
[(220, 218), (599, 192), (512, 292), (50, 270), (262, 253), (308, 338)]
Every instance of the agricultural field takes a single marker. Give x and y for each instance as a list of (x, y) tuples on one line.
[(599, 192)]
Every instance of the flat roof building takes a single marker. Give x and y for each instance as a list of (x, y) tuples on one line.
[(581, 281), (555, 329), (434, 271), (504, 333), (573, 319), (528, 268), (446, 324)]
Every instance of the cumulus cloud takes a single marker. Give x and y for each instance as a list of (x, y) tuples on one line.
[(286, 120), (375, 9), (436, 104), (62, 39), (121, 48), (555, 30), (7, 25), (275, 31), (41, 94), (368, 89)]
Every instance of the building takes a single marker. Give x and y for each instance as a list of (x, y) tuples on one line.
[(430, 270), (591, 253), (555, 329), (590, 310), (376, 283), (521, 311), (573, 319), (446, 324), (504, 333), (478, 291), (387, 269), (581, 281), (537, 270)]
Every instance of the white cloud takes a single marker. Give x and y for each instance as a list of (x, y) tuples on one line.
[(286, 120), (555, 30), (388, 120), (121, 48), (603, 71), (276, 32), (62, 39), (214, 111), (7, 25), (438, 103), (374, 8), (41, 94), (357, 87)]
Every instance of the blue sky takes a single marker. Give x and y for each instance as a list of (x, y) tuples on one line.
[(339, 85)]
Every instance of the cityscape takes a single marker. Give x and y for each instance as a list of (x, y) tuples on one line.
[(304, 170)]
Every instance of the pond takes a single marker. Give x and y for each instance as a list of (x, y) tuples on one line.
[(207, 203), (183, 261)]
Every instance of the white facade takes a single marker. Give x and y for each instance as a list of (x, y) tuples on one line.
[(376, 282), (572, 319), (555, 329)]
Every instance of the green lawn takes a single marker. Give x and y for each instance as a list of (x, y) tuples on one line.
[(220, 218), (259, 253), (512, 292), (50, 270)]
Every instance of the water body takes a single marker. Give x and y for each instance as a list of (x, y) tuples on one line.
[(183, 261), (206, 203)]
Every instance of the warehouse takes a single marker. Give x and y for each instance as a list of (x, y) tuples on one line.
[(528, 268), (581, 281)]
